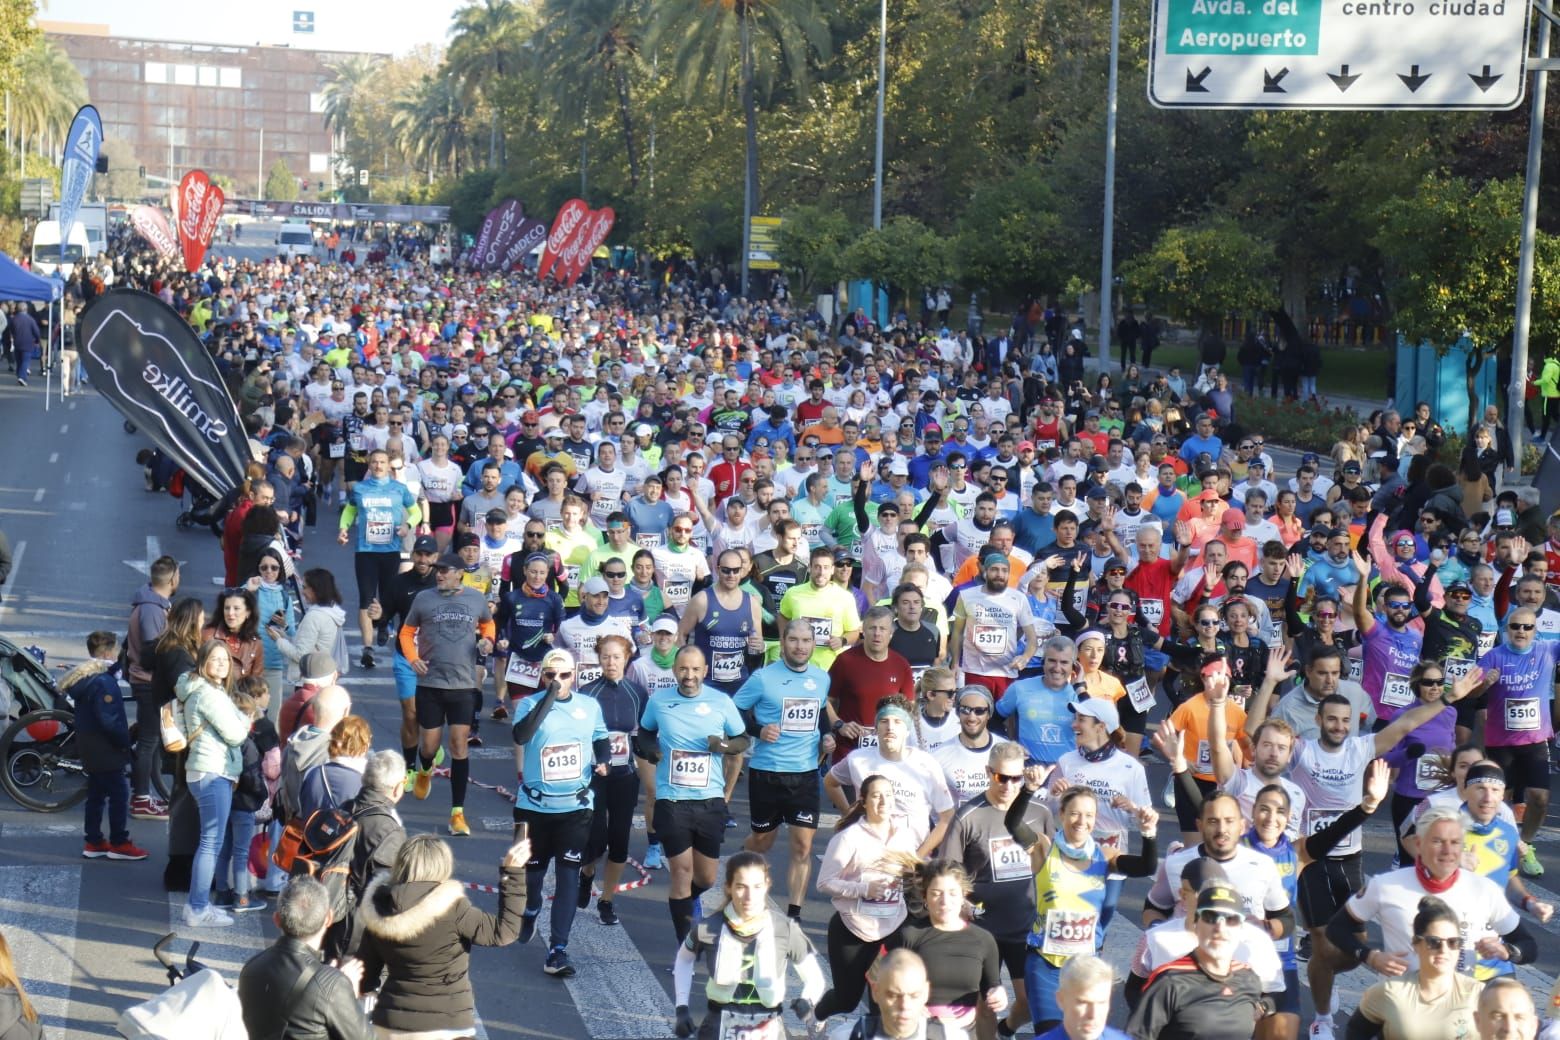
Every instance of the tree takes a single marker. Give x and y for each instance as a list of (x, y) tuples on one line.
[(586, 44), (353, 81), (810, 243), (280, 184), (485, 45), (762, 40), (430, 124), (1451, 253), (1204, 271), (18, 34), (1009, 237), (904, 253), (123, 180), (50, 90)]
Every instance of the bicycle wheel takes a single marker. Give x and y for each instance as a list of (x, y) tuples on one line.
[(40, 764)]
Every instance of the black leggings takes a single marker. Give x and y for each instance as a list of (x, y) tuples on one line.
[(613, 818), (849, 959)]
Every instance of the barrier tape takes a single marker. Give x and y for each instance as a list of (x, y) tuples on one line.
[(509, 796)]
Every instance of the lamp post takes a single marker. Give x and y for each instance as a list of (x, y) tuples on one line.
[(1107, 246), (877, 162)]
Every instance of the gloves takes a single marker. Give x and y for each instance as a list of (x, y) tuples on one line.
[(684, 1027)]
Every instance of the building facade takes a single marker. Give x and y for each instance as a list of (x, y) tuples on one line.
[(227, 110)]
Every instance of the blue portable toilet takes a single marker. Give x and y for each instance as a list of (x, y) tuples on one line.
[(1441, 380), (869, 297)]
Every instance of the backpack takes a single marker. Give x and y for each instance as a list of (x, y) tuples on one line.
[(176, 738), (321, 847)]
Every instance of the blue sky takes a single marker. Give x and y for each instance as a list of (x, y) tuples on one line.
[(379, 26)]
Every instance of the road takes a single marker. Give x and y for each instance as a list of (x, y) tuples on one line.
[(82, 528)]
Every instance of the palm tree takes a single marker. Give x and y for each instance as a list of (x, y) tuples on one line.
[(49, 91), (430, 123), (762, 40), (486, 40), (354, 79), (586, 43)]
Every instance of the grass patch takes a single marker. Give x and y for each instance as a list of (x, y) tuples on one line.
[(1356, 372)]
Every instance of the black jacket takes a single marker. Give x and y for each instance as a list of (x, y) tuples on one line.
[(325, 1009), (419, 935), (167, 666), (380, 836)]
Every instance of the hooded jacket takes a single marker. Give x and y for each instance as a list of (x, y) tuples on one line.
[(148, 617), (419, 936), (317, 633), (216, 726)]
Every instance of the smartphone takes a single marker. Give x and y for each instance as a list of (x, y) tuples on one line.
[(522, 833), (278, 619)]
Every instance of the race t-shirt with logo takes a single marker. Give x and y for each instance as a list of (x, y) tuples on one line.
[(676, 571), (1250, 873), (605, 491), (778, 694), (1044, 722), (1518, 703), (830, 611), (439, 483), (1245, 785), (929, 735), (1333, 782), (1153, 583), (689, 770), (1117, 773), (579, 637), (446, 624), (920, 792), (992, 625), (997, 864), (1391, 900), (1390, 655), (723, 635), (653, 678), (381, 508), (558, 761), (965, 768)]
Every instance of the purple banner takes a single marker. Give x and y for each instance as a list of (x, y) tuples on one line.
[(507, 219), (531, 234), (490, 227)]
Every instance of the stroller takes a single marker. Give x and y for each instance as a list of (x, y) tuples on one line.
[(199, 1005), (163, 474)]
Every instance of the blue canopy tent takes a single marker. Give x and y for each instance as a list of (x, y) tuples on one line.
[(19, 284)]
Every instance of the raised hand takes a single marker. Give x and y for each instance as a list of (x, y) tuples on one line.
[(1378, 780), (1361, 564), (1280, 663)]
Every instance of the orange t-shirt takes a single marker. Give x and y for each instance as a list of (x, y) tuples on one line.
[(1191, 718)]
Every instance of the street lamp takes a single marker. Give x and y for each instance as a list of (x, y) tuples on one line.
[(1107, 247), (877, 164)]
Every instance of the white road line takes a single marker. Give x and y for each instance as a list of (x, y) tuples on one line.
[(38, 495), (16, 568), (64, 428), (38, 914), (54, 457)]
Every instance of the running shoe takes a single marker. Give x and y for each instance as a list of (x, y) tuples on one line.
[(558, 963), (583, 899), (1322, 1028), (210, 917), (248, 905), (423, 784), (94, 850), (367, 660), (500, 713), (655, 857), (126, 850), (145, 807), (473, 740), (458, 824), (528, 926), (604, 909), (1529, 864)]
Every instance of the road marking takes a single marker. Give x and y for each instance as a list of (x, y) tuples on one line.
[(38, 495), (153, 551), (38, 914), (16, 567), (39, 830), (64, 428), (54, 457)]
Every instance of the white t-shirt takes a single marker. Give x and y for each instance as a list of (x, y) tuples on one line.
[(992, 626), (439, 482), (965, 770), (1171, 939), (1245, 784), (1119, 773), (605, 490), (930, 738), (1334, 783), (1252, 874), (920, 791), (1392, 899)]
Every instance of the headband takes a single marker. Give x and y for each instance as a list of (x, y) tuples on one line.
[(894, 711)]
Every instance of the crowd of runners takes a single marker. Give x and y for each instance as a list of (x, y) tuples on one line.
[(680, 545)]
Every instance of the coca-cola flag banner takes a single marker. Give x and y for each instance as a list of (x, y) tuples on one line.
[(489, 225), (528, 235), (82, 145), (576, 254), (151, 225), (150, 364), (564, 225), (200, 206), (506, 219)]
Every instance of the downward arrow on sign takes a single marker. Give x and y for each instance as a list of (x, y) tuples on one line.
[(1341, 79), (1270, 81), (1194, 84), (1485, 81), (1413, 81)]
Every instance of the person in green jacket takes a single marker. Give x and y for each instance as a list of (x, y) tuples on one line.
[(1548, 390), (215, 731)]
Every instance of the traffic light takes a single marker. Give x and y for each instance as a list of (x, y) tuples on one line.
[(362, 178)]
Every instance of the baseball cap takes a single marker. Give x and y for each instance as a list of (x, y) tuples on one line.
[(1323, 530), (1096, 708), (930, 429), (595, 586), (1097, 492), (449, 561), (1459, 586), (1218, 895), (1381, 454), (1207, 495), (317, 667), (644, 430), (664, 624), (1026, 445), (1309, 457), (425, 543), (496, 516), (1234, 519), (899, 468), (842, 557), (1202, 871), (464, 539), (530, 417), (1115, 563), (1351, 467), (553, 431)]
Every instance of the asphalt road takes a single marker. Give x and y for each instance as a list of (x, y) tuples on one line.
[(82, 527)]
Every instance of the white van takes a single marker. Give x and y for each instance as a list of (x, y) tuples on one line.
[(295, 240), (46, 249)]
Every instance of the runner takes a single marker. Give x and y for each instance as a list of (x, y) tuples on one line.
[(403, 591), (384, 511), (617, 792)]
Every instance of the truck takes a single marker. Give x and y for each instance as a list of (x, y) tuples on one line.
[(46, 258), (94, 217)]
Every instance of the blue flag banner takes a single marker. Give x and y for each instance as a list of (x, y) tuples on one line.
[(82, 146)]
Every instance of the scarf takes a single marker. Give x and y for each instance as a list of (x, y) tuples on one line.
[(1082, 852), (1099, 754), (663, 660), (768, 978), (1430, 884)]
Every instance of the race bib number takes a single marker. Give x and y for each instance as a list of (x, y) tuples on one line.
[(813, 533), (1522, 715), (726, 667), (677, 592), (648, 541), (562, 762), (1080, 599), (887, 905), (619, 749), (1318, 820), (822, 630), (1396, 691), (554, 523), (358, 441), (736, 1025), (1204, 757), (1356, 668), (1457, 668), (1139, 694), (918, 670), (571, 574), (867, 739), (337, 450), (991, 639), (587, 673), (1239, 695), (379, 527), (855, 550), (1425, 773), (523, 673), (1009, 860), (1068, 933), (799, 715), (1486, 642), (1153, 611), (690, 769)]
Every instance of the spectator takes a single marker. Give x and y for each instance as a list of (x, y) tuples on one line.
[(215, 729), (333, 783), (18, 1020), (317, 672), (103, 736), (310, 745)]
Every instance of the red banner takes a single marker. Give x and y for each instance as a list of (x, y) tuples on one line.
[(576, 253), (564, 226), (151, 225), (200, 206)]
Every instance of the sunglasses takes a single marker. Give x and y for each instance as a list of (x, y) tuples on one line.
[(1399, 604), (1326, 615), (1208, 623), (556, 675), (731, 571), (1426, 682), (1517, 626), (682, 530), (1219, 917), (1435, 943), (1006, 778), (978, 711), (337, 386), (273, 567)]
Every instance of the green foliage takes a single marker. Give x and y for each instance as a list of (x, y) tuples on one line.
[(280, 183), (1295, 424), (123, 180), (904, 253), (18, 33), (1009, 240), (810, 244), (470, 198), (1205, 270)]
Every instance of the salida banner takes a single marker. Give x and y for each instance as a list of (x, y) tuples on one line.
[(151, 225), (200, 205), (150, 364)]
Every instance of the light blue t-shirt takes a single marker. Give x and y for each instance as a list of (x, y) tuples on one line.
[(559, 761), (381, 508), (777, 693), (1044, 723), (689, 771)]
